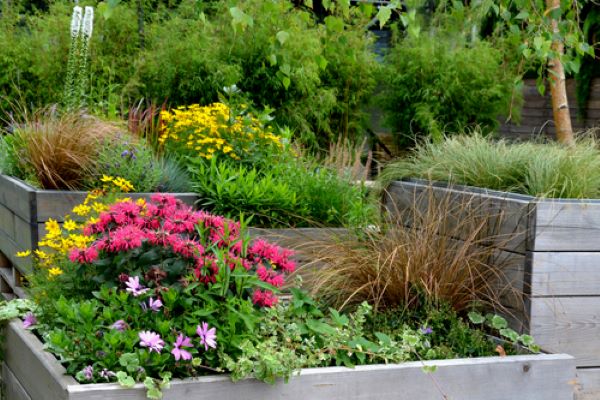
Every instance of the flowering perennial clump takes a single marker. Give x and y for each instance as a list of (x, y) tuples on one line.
[(216, 130)]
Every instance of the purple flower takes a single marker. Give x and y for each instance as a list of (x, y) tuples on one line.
[(88, 372), (208, 337), (29, 321), (154, 305), (125, 153), (120, 325), (106, 374), (134, 287), (426, 330), (178, 352), (151, 340)]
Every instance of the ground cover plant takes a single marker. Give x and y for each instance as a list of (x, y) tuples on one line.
[(146, 291), (537, 169)]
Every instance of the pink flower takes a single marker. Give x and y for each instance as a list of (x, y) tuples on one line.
[(29, 321), (208, 337), (134, 287), (151, 340), (264, 298), (178, 352), (154, 305), (119, 325), (270, 276), (84, 256), (126, 238)]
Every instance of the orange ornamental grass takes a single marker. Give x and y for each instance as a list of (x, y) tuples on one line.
[(59, 150), (429, 249)]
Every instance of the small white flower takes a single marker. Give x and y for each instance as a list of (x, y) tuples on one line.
[(88, 22), (76, 21)]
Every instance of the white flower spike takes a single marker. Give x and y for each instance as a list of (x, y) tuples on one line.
[(76, 21), (88, 22)]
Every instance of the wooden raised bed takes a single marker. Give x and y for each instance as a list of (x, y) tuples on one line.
[(555, 257), (23, 212), (29, 373)]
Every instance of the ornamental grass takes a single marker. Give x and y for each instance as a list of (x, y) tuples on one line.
[(57, 151), (416, 257)]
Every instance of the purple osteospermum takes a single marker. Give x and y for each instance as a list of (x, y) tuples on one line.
[(154, 305), (88, 372), (208, 337), (426, 330), (151, 340), (106, 374), (120, 325), (29, 321), (178, 352), (134, 287)]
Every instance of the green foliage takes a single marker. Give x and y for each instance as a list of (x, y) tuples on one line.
[(135, 162), (284, 192), (173, 177), (442, 85), (537, 169)]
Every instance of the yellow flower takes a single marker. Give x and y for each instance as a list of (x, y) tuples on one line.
[(42, 255), (99, 207), (52, 272), (25, 253), (70, 225), (82, 210), (107, 179)]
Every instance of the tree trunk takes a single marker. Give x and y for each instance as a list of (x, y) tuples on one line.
[(558, 89)]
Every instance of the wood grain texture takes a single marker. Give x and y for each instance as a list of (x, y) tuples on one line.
[(542, 377), (13, 390), (588, 387), (17, 196), (566, 225), (35, 369), (565, 274), (568, 325)]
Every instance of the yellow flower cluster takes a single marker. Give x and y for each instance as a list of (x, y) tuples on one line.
[(212, 130), (122, 184)]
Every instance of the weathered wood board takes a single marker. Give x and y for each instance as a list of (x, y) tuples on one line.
[(532, 377), (566, 225), (568, 324), (565, 274)]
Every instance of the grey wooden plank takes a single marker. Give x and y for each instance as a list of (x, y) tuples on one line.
[(565, 274), (13, 390), (547, 377), (56, 204), (588, 387), (9, 248), (567, 226), (24, 233), (570, 325), (17, 196), (37, 370), (7, 221)]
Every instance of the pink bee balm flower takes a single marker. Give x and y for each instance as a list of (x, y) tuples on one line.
[(84, 256), (264, 298), (178, 352), (29, 321), (134, 287), (151, 340), (208, 337)]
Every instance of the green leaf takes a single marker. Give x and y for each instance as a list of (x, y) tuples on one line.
[(321, 61), (320, 327), (125, 380), (522, 15), (476, 317), (240, 18), (383, 338), (429, 368), (282, 37), (383, 16), (286, 82), (273, 59), (498, 322), (527, 340), (334, 24), (510, 334)]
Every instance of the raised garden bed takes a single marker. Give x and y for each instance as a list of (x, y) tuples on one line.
[(554, 253), (29, 373), (23, 212)]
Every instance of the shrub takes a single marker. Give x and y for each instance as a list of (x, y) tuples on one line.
[(129, 159), (437, 85), (537, 169)]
